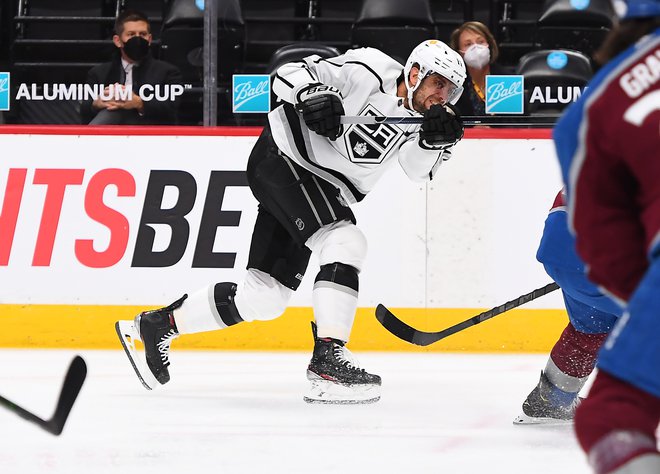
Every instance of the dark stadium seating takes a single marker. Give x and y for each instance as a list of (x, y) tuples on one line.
[(514, 24), (155, 10), (450, 14), (575, 24), (4, 36), (182, 38), (393, 26), (67, 27), (268, 28), (298, 51), (59, 41), (546, 71)]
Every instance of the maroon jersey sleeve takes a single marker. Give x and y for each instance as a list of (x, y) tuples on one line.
[(616, 195)]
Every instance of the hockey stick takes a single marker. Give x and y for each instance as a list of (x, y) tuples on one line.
[(421, 338), (468, 121), (373, 119), (70, 388)]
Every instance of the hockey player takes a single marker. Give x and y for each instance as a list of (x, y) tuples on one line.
[(305, 170), (591, 317), (608, 143)]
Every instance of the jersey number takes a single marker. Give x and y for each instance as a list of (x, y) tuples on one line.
[(637, 113)]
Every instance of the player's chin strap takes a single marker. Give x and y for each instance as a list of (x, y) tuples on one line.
[(411, 90)]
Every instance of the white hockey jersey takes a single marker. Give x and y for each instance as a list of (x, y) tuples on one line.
[(367, 79)]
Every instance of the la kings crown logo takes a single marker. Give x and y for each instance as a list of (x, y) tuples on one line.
[(371, 143)]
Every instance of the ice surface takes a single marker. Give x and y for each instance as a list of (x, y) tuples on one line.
[(242, 412)]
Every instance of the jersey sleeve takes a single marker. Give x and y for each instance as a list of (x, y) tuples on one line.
[(614, 197), (418, 163), (293, 78), (362, 70)]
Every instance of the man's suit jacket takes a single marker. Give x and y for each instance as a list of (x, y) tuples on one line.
[(149, 71)]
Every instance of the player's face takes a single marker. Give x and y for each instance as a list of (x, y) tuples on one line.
[(433, 90)]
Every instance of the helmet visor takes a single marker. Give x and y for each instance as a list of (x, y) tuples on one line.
[(444, 86)]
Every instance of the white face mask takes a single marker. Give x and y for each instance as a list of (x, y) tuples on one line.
[(477, 56)]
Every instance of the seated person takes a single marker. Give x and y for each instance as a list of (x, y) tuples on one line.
[(132, 67), (476, 44)]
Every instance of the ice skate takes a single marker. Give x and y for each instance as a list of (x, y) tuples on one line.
[(335, 377), (547, 404), (155, 330)]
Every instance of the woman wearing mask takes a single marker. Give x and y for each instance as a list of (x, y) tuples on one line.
[(474, 41)]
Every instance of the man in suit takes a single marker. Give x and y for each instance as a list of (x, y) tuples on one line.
[(124, 76)]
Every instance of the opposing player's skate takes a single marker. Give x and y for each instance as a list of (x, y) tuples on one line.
[(156, 330), (335, 376), (547, 404)]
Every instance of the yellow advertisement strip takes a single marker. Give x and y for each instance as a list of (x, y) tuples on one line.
[(92, 327)]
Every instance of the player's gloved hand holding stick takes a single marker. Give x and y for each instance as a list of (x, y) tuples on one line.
[(441, 128), (321, 108)]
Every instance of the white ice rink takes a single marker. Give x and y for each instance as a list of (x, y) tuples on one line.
[(242, 412)]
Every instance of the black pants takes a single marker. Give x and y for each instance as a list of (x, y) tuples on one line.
[(293, 204)]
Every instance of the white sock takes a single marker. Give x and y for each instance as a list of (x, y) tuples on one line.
[(198, 313), (334, 309)]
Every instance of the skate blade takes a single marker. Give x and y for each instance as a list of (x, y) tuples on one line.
[(523, 419), (326, 392), (128, 336)]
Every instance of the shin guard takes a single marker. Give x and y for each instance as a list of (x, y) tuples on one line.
[(335, 300)]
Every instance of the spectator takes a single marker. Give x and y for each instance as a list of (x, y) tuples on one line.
[(132, 67), (474, 41)]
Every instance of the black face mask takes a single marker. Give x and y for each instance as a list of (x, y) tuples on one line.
[(136, 48)]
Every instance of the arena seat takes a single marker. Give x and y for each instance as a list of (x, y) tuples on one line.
[(182, 39), (575, 24), (60, 41), (553, 79), (154, 10), (63, 29), (393, 26), (298, 51), (514, 24)]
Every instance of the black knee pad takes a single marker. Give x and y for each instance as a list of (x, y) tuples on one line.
[(340, 274), (223, 294)]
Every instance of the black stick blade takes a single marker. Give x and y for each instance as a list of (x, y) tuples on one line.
[(73, 382), (401, 329), (70, 388), (421, 338)]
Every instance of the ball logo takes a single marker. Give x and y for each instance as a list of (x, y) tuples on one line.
[(4, 91), (505, 94), (251, 93), (557, 60), (580, 4)]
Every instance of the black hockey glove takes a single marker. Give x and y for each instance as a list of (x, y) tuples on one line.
[(321, 108), (442, 127)]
